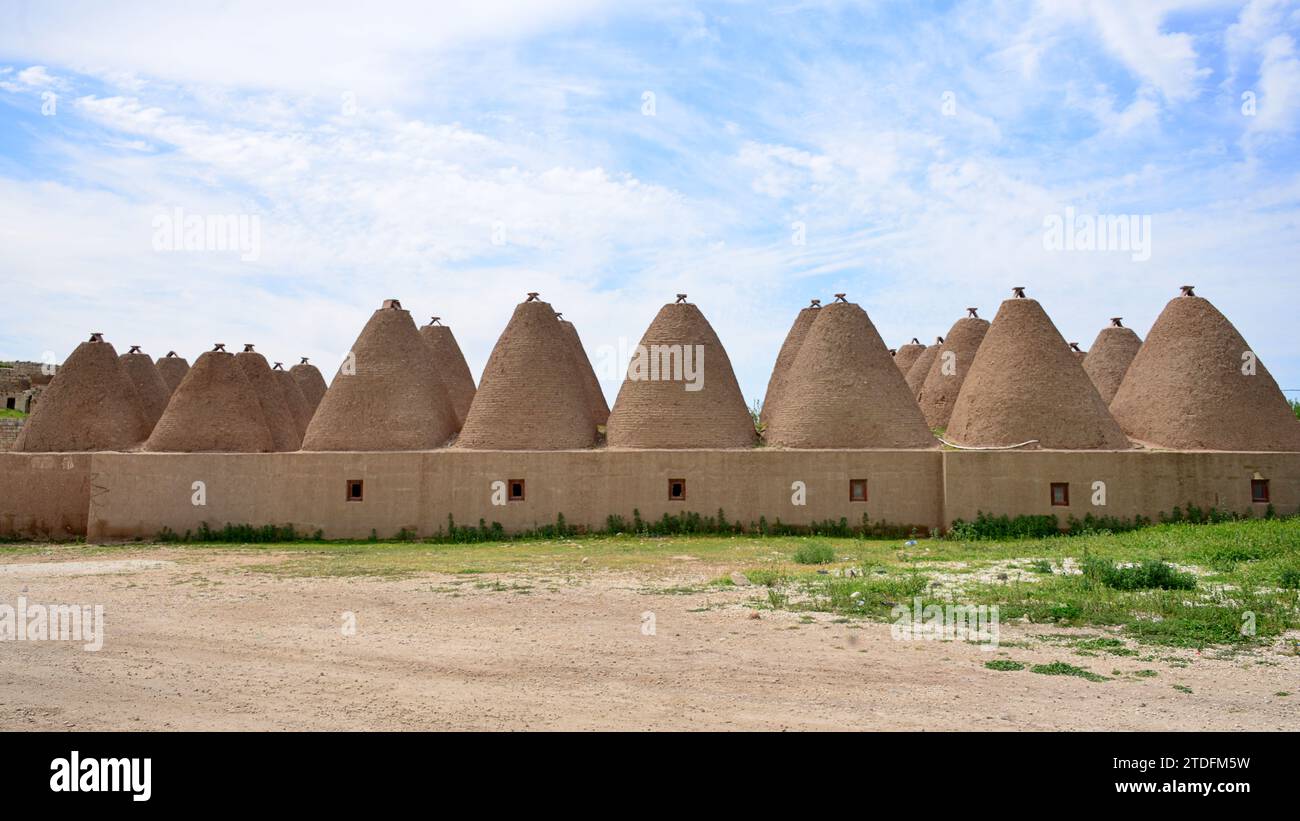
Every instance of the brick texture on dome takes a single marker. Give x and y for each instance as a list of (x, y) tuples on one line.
[(1026, 384), (655, 409), (90, 404), (214, 410), (1188, 387), (785, 360), (844, 390), (452, 368), (1109, 357), (387, 395), (530, 396), (149, 385), (939, 390)]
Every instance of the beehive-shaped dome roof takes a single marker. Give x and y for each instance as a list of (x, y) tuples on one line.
[(844, 390), (906, 356), (293, 397), (1196, 385), (172, 369), (388, 394), (284, 430), (1109, 357), (91, 404), (785, 359), (920, 369), (312, 383), (939, 390), (680, 391), (149, 384), (1026, 384), (452, 368), (530, 396), (587, 374), (214, 410)]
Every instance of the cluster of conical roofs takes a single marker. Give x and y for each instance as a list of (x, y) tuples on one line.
[(1011, 383)]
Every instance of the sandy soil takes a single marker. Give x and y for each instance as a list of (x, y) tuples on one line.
[(197, 641)]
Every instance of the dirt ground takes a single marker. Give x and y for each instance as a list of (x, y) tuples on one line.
[(199, 640)]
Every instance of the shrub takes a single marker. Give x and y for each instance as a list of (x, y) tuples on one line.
[(1149, 575), (814, 553)]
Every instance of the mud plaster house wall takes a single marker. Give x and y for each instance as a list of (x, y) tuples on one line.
[(418, 490), (1146, 483), (44, 495), (128, 495)]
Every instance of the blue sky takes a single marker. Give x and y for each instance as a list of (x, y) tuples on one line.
[(918, 149)]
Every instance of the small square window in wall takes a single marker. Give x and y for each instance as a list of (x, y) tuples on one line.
[(516, 490), (1259, 490), (857, 490), (676, 490), (356, 490), (1060, 494)]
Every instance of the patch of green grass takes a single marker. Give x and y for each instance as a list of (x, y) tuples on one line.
[(814, 552), (1145, 673), (1060, 668), (1005, 665), (1042, 566), (10, 413), (1148, 575), (1114, 647), (1183, 688), (766, 576)]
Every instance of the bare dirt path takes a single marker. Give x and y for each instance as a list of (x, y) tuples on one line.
[(196, 640)]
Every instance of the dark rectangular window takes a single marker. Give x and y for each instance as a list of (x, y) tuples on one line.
[(516, 490), (1060, 494), (857, 490), (676, 490), (1259, 490), (355, 489), (11, 403)]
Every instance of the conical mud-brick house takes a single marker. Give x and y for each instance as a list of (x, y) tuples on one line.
[(785, 359), (91, 404), (844, 390), (311, 382), (590, 384), (284, 430), (451, 365), (680, 391), (939, 391), (1109, 357), (388, 394), (149, 384), (920, 369), (1196, 385), (172, 369), (906, 356), (530, 396), (1026, 384), (214, 410), (293, 397)]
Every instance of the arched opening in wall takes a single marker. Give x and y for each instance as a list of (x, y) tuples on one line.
[(1259, 491), (857, 490), (356, 490), (1060, 494), (516, 490), (676, 490)]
